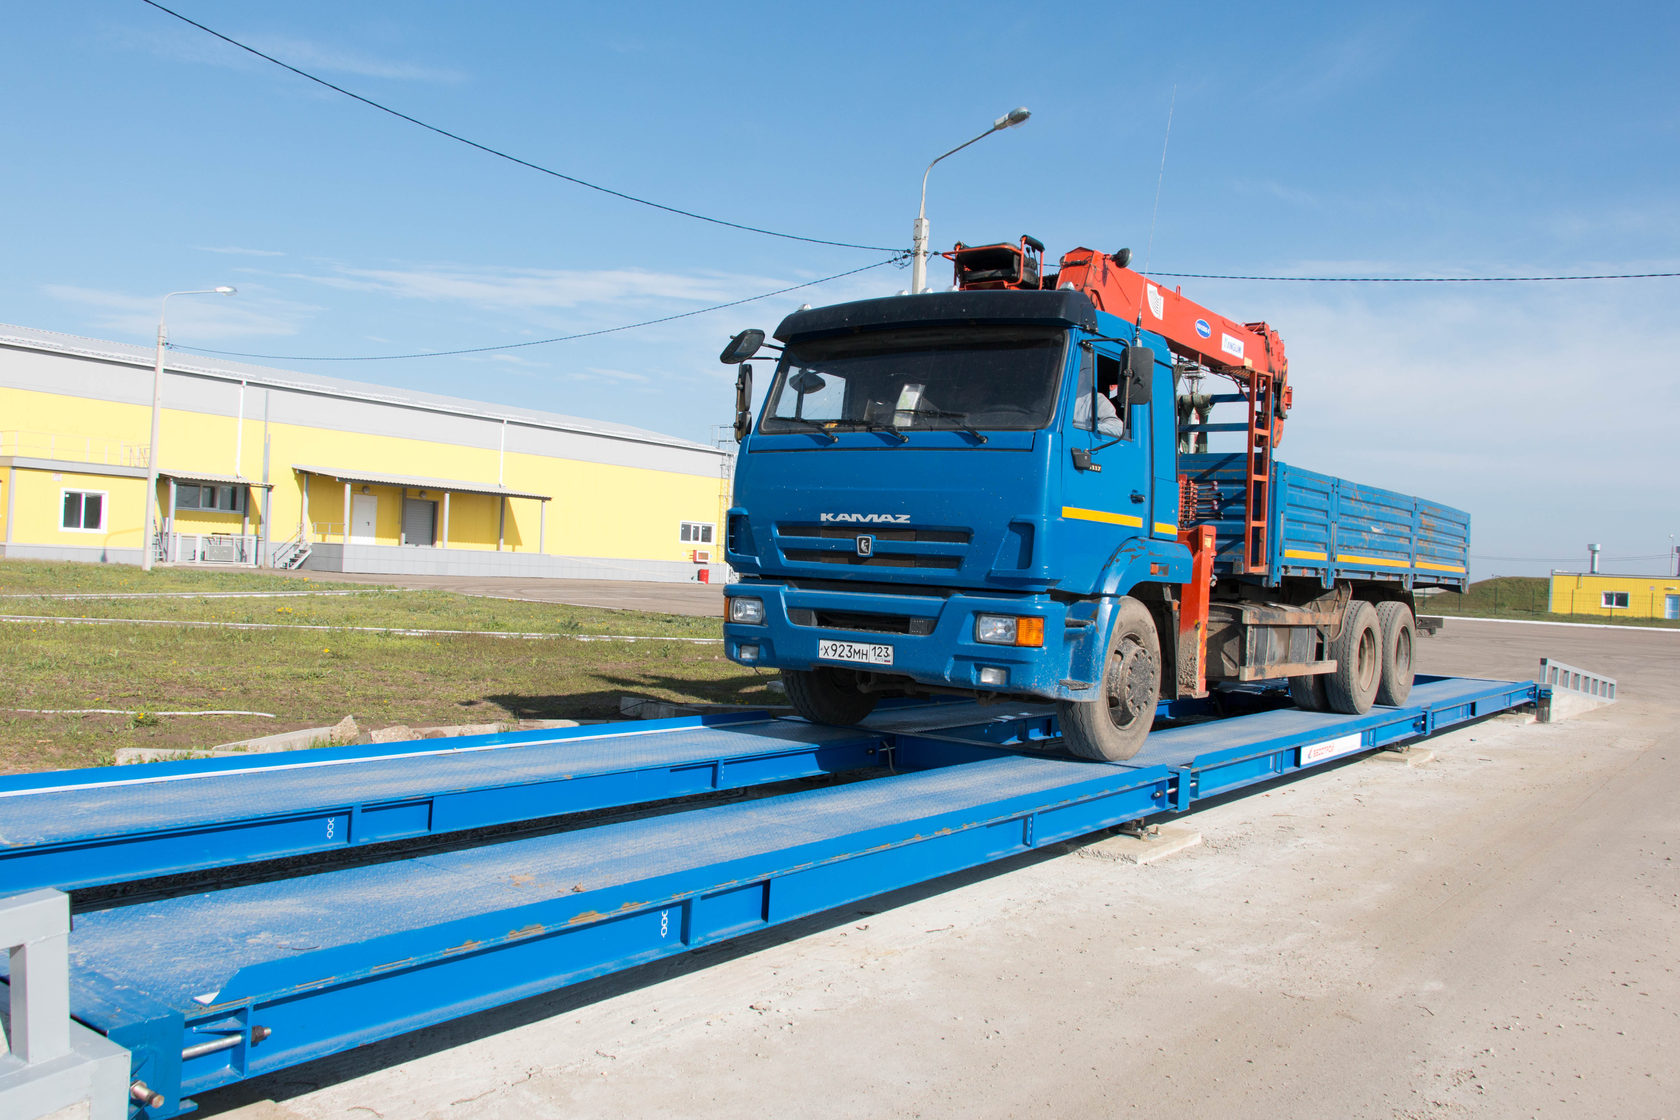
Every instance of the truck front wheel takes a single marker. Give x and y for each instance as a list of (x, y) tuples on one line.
[(828, 695), (1112, 727), (1357, 651)]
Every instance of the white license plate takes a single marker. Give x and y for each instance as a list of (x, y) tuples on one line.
[(855, 652)]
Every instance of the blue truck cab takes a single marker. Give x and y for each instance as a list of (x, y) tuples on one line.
[(979, 492)]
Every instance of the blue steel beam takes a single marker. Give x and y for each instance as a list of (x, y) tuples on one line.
[(86, 828), (119, 824), (365, 953)]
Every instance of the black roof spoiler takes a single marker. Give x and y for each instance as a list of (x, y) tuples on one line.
[(1072, 309)]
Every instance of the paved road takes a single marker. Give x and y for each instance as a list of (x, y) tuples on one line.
[(1490, 935), (662, 598)]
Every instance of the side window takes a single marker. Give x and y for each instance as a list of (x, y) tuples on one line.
[(1614, 599), (1106, 368), (696, 532)]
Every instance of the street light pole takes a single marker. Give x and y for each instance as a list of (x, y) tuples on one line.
[(919, 252), (151, 513)]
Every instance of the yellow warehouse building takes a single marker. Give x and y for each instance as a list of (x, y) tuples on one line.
[(1618, 596), (267, 467)]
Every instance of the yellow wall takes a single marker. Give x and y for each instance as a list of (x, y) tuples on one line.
[(1584, 594), (38, 507), (598, 510)]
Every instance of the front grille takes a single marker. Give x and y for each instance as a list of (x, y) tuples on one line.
[(861, 621), (895, 546), (876, 560), (881, 533)]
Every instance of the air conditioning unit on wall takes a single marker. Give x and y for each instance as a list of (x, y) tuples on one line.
[(700, 557)]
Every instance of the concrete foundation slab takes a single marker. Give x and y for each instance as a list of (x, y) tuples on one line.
[(1155, 843)]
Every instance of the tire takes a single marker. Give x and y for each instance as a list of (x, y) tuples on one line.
[(828, 695), (1112, 728), (1357, 651), (1308, 693), (1399, 637)]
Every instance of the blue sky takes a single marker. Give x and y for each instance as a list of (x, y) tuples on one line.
[(1307, 139)]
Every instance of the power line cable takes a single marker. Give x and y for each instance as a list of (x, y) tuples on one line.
[(1417, 279), (505, 155), (539, 341)]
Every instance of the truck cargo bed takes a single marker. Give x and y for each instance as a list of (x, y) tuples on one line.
[(1330, 529)]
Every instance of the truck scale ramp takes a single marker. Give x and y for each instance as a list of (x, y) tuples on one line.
[(211, 987)]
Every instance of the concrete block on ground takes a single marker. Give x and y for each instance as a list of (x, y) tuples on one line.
[(1155, 843), (1408, 756), (1568, 705)]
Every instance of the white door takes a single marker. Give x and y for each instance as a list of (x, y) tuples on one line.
[(364, 516)]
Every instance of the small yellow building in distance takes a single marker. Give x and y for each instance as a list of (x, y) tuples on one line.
[(1618, 596), (267, 467)]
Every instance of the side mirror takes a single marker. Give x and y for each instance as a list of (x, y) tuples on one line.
[(742, 347), (1140, 374), (743, 402)]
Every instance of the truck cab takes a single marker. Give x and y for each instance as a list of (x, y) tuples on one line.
[(955, 492)]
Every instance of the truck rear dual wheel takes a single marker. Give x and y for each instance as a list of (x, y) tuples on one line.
[(1308, 693), (1399, 633), (829, 696), (1357, 651), (1112, 727)]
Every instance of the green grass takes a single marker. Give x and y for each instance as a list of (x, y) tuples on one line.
[(1516, 597), (313, 678)]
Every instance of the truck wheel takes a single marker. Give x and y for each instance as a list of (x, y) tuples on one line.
[(828, 695), (1399, 634), (1308, 693), (1112, 727), (1357, 651)]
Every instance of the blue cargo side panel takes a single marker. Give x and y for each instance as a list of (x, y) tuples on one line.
[(1331, 529)]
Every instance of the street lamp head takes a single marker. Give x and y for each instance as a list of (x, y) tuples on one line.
[(224, 290), (1011, 118)]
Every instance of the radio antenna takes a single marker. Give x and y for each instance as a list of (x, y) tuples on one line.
[(1155, 212)]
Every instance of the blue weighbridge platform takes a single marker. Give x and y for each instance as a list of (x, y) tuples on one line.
[(216, 981)]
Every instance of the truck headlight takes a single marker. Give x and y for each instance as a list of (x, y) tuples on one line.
[(748, 611), (1009, 630)]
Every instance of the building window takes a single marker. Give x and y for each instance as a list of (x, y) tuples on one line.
[(227, 499), (696, 532), (84, 510), (1615, 599)]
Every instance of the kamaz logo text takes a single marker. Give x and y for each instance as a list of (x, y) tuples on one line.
[(867, 518)]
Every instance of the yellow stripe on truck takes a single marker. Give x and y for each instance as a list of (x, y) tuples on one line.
[(1303, 554), (1165, 529), (1102, 515), (1345, 558), (1439, 567)]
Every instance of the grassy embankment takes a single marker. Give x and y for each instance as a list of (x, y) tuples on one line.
[(1515, 597), (314, 677)]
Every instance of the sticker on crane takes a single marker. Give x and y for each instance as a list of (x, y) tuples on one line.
[(1231, 346), (1202, 329), (1330, 748), (1157, 305)]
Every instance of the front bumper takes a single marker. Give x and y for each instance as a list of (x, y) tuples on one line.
[(932, 637)]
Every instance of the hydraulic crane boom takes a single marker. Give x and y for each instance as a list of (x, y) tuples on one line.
[(1251, 354)]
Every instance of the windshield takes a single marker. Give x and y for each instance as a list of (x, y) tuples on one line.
[(997, 377)]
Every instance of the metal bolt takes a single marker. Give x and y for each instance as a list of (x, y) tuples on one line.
[(141, 1093)]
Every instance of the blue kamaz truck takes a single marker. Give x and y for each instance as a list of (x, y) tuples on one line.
[(1004, 491)]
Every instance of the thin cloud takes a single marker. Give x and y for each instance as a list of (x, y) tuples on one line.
[(235, 250), (195, 47), (533, 289), (207, 319)]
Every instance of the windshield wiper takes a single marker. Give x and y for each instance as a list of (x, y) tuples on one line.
[(961, 418), (819, 429), (884, 429)]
